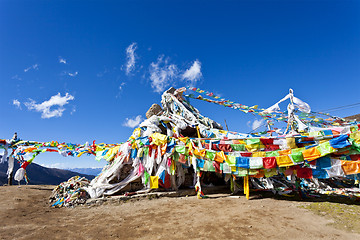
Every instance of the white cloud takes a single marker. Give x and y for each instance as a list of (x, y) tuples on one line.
[(72, 74), (193, 74), (54, 165), (162, 74), (16, 77), (256, 124), (35, 67), (134, 122), (17, 103), (73, 110), (62, 60), (101, 74), (46, 107), (121, 85), (120, 89), (130, 58)]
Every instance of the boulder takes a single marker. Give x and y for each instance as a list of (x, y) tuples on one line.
[(155, 109)]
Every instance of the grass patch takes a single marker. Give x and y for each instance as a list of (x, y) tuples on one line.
[(345, 216)]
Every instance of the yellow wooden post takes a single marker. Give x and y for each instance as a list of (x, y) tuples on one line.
[(246, 187)]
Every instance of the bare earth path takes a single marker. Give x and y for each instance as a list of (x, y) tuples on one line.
[(25, 214)]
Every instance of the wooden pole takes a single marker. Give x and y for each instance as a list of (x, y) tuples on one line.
[(246, 187), (227, 129)]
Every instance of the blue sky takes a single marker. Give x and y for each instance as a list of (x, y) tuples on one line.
[(104, 62)]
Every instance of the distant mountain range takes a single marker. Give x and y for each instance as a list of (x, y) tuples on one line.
[(39, 175), (88, 171), (353, 118)]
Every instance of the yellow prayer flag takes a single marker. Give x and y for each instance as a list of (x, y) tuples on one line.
[(154, 182), (183, 139)]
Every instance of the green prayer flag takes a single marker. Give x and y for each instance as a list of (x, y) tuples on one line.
[(210, 155), (297, 157), (208, 166), (146, 151), (252, 141), (180, 149), (146, 176), (231, 160), (238, 147), (272, 154)]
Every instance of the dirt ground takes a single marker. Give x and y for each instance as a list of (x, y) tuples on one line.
[(25, 214)]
